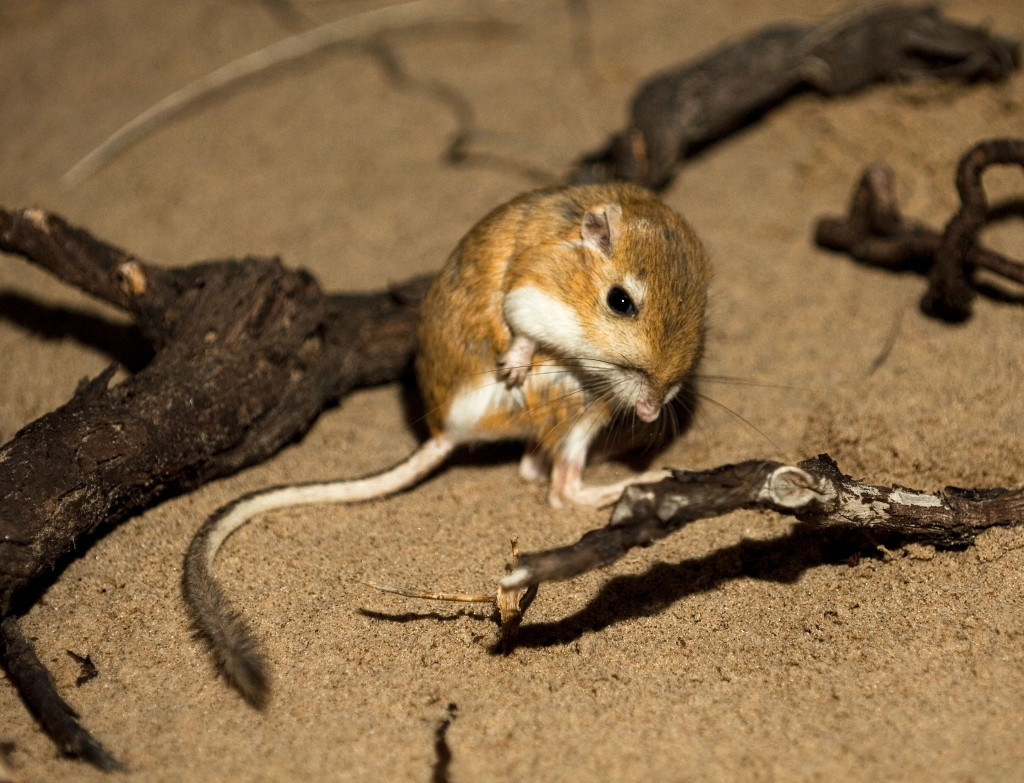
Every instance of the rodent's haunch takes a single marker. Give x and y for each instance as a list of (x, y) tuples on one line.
[(562, 313)]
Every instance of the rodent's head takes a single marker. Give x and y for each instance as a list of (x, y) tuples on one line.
[(622, 294)]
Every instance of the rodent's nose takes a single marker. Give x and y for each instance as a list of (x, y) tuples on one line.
[(647, 410)]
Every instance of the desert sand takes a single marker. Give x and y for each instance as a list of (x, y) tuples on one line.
[(746, 647)]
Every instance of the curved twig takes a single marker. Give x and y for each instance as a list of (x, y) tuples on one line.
[(287, 50), (875, 233)]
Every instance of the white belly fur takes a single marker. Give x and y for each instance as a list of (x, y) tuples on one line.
[(491, 395)]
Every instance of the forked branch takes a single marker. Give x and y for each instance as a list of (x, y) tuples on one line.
[(876, 233)]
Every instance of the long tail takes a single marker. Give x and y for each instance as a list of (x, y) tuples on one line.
[(237, 651)]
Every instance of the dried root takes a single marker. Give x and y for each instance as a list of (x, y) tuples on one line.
[(875, 233)]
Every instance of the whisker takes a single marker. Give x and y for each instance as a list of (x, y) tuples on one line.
[(594, 420), (669, 421), (603, 387), (597, 381), (740, 417), (728, 380)]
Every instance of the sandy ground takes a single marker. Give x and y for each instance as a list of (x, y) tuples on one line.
[(746, 648)]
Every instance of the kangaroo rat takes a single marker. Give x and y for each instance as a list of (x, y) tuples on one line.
[(558, 313)]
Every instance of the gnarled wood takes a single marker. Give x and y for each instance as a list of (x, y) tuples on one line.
[(686, 108), (247, 354)]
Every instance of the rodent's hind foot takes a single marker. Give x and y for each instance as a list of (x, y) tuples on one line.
[(576, 493), (535, 464)]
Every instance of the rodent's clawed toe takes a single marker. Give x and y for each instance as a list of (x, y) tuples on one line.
[(513, 376), (514, 364)]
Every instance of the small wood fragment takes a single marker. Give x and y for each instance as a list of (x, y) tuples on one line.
[(89, 670), (511, 603)]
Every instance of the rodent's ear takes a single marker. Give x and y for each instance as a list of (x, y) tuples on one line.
[(601, 228)]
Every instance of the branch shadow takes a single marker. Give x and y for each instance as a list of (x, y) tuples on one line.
[(123, 343), (782, 560), (413, 617)]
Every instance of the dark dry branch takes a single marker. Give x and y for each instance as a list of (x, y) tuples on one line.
[(35, 685), (814, 491), (875, 233), (247, 354), (684, 109)]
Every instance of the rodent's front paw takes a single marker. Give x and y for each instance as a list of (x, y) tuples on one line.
[(514, 364), (512, 374)]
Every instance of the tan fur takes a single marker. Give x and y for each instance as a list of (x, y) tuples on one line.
[(535, 240)]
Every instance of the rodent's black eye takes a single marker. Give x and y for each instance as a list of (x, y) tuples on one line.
[(620, 302)]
